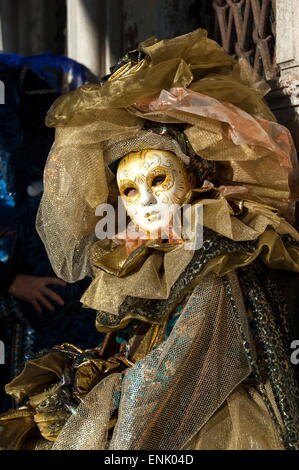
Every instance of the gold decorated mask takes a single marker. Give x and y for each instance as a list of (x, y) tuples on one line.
[(151, 182)]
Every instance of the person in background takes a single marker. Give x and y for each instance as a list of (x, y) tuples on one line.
[(37, 310), (30, 289)]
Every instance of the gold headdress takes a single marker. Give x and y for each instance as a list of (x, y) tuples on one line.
[(187, 81)]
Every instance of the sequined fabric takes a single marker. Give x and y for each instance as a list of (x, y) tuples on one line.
[(218, 254), (168, 396), (88, 428), (269, 322), (212, 350), (206, 385)]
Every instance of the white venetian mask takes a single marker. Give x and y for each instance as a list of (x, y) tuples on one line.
[(150, 183)]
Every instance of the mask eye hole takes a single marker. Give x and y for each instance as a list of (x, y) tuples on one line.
[(158, 180), (129, 192)]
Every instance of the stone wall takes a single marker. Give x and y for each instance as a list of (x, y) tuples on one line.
[(284, 99), (163, 19), (33, 26)]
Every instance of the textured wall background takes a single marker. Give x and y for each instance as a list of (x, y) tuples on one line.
[(160, 18), (33, 26)]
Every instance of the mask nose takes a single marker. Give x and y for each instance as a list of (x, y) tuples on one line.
[(148, 199)]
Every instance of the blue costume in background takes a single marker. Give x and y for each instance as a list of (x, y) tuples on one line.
[(32, 84)]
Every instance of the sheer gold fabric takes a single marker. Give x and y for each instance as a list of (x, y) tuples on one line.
[(189, 80), (88, 428), (209, 368), (241, 423), (15, 427)]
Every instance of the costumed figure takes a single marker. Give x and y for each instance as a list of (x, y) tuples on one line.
[(32, 84), (196, 351)]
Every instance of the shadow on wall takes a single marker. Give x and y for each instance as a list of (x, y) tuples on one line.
[(33, 26), (164, 19)]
